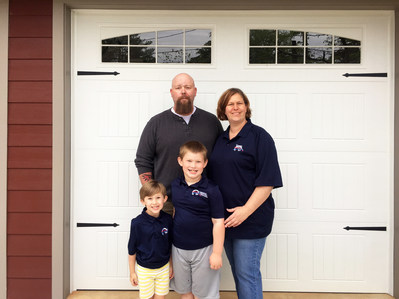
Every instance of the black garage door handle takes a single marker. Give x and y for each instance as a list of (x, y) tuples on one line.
[(80, 224), (89, 73), (366, 75), (375, 228)]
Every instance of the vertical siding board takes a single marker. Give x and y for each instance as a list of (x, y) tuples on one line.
[(29, 179), (25, 91), (30, 48), (28, 288), (31, 8), (29, 224), (29, 70), (29, 267), (29, 245), (30, 135), (28, 113), (30, 26), (29, 201), (29, 157), (29, 162)]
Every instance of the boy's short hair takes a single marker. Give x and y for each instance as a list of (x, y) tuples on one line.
[(194, 147), (152, 187)]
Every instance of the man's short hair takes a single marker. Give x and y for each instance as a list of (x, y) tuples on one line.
[(194, 147), (151, 188)]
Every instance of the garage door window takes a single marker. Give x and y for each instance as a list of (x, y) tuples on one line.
[(186, 46), (298, 47)]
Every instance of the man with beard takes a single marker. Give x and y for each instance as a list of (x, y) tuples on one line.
[(156, 156)]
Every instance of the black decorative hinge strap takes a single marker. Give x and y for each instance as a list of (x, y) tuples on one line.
[(366, 75), (375, 228), (80, 224), (90, 73)]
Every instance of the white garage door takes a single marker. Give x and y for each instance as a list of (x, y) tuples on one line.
[(334, 134)]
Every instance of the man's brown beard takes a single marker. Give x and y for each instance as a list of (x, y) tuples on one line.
[(183, 108)]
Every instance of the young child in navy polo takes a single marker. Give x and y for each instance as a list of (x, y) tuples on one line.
[(198, 227), (150, 244)]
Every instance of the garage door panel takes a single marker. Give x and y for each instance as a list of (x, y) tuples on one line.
[(280, 260), (107, 118), (108, 184), (339, 259), (348, 120), (104, 245), (337, 187)]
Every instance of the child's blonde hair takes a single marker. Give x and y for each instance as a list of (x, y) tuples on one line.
[(194, 147), (152, 187)]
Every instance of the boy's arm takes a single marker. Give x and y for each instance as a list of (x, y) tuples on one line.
[(215, 260), (171, 273), (132, 267)]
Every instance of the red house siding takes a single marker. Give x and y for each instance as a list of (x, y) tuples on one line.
[(29, 149)]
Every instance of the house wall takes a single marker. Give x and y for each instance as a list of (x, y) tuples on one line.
[(29, 170)]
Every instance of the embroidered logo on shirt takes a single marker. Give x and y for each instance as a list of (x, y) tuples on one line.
[(199, 193), (238, 148), (164, 231)]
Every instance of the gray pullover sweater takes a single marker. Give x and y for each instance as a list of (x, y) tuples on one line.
[(162, 137)]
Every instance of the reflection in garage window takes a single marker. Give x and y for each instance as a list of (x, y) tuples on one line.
[(268, 46), (290, 55), (166, 46)]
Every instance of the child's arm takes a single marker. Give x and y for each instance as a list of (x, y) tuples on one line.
[(132, 267), (215, 260), (171, 273)]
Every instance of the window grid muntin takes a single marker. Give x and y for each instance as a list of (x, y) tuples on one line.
[(305, 46), (156, 46)]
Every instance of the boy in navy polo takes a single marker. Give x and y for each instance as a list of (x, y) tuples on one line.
[(150, 244), (198, 227)]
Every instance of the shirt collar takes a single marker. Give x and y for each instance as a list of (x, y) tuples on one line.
[(243, 132), (203, 183), (149, 217)]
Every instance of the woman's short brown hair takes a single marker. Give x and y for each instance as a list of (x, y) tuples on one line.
[(151, 188), (224, 100)]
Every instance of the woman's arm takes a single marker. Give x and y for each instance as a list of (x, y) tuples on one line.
[(259, 196)]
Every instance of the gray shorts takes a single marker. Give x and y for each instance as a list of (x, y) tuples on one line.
[(193, 273)]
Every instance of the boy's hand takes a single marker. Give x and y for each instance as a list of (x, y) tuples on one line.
[(215, 261), (133, 279), (171, 274)]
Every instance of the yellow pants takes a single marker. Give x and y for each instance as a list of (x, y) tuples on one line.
[(153, 281)]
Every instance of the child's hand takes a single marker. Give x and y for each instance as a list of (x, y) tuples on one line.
[(215, 261), (171, 273), (133, 279)]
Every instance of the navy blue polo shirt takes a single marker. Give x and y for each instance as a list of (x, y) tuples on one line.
[(195, 206), (151, 239), (240, 165)]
